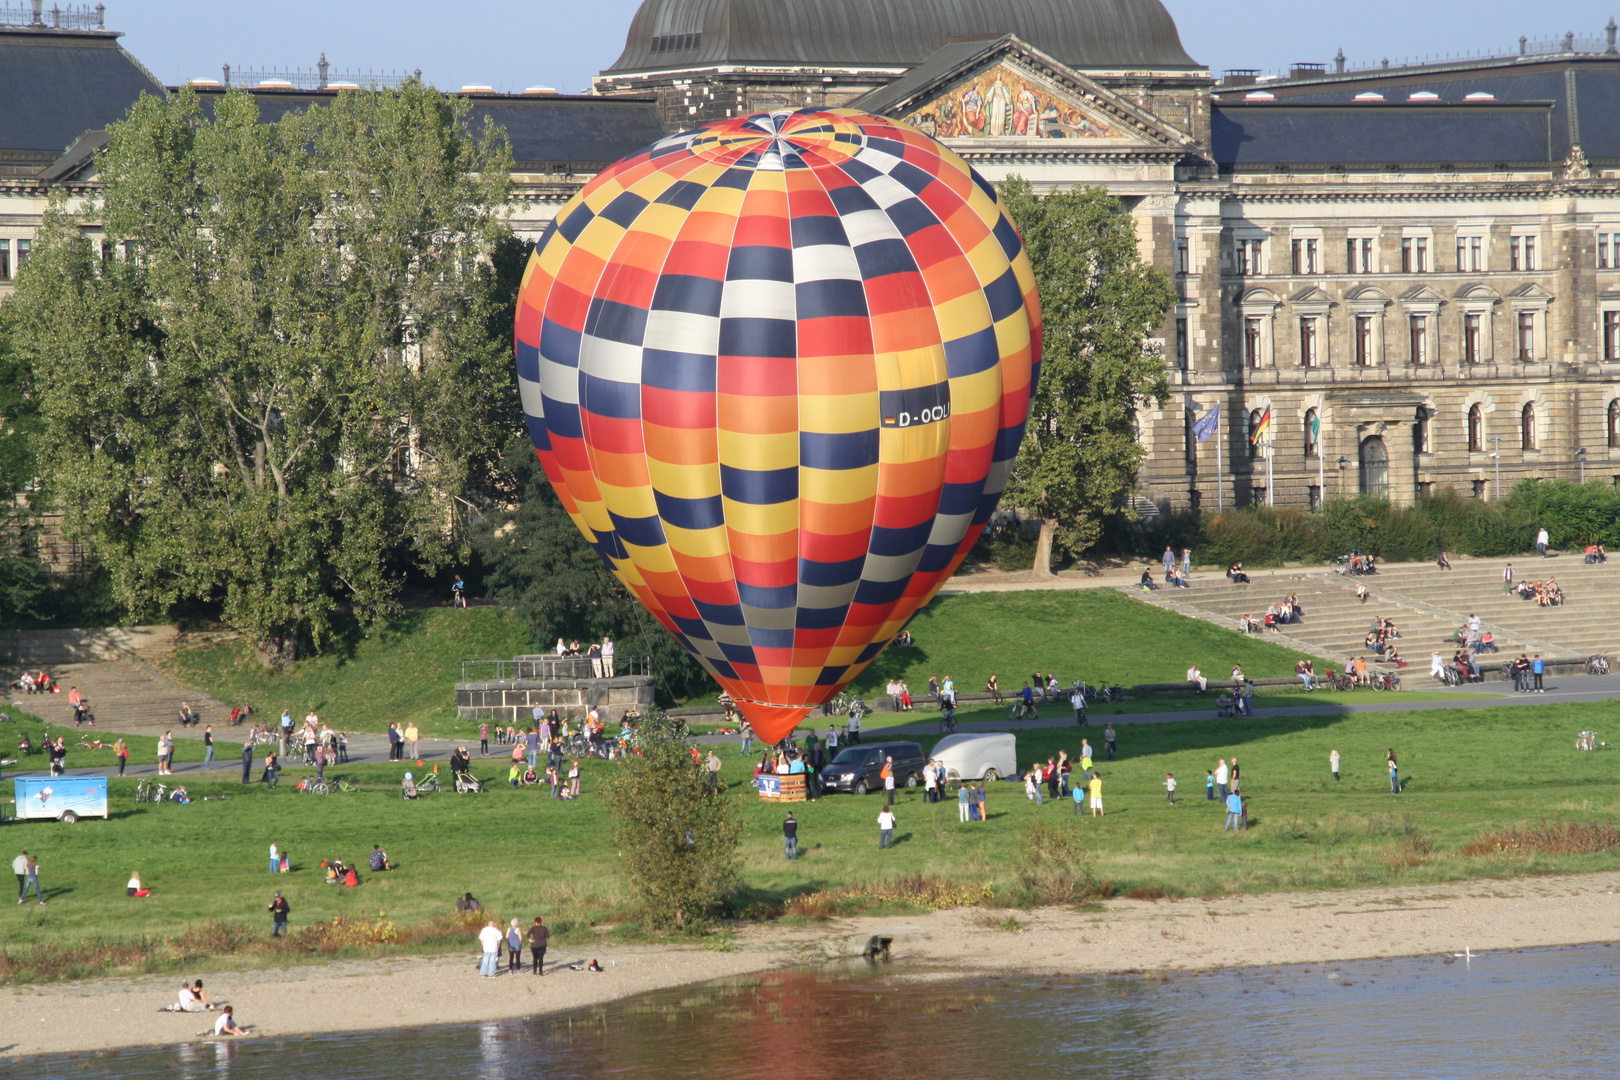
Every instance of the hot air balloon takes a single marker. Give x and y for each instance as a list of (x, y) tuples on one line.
[(777, 369)]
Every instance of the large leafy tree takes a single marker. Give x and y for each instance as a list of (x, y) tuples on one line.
[(1100, 302), (537, 563), (271, 401)]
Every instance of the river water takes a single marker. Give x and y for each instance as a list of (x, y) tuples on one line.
[(1523, 1015)]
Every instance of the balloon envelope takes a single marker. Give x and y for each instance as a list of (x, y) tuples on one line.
[(777, 369)]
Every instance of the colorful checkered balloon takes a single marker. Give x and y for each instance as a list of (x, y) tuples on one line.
[(777, 369)]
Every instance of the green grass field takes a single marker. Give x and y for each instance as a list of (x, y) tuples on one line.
[(142, 748), (405, 673), (1098, 635), (1466, 771)]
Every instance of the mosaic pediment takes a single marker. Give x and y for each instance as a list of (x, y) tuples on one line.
[(1003, 102)]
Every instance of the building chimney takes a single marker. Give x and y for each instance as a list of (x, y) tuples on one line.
[(56, 16), (226, 70), (1386, 62), (1524, 45), (1338, 60), (1610, 29), (323, 66), (1569, 42), (39, 8), (101, 17)]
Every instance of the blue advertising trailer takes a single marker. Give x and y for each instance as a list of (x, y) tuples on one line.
[(61, 798)]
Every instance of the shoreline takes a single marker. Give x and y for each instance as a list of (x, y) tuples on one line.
[(1116, 937)]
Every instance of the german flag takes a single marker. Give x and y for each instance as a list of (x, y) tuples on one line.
[(1260, 428)]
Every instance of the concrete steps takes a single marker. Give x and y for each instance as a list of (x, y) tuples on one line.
[(127, 696)]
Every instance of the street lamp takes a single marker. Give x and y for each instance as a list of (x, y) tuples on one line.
[(1496, 456), (1580, 456), (1343, 463)]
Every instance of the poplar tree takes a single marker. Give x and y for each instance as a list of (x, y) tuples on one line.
[(1100, 302)]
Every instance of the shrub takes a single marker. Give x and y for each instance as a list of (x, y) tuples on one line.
[(1055, 867), (676, 834), (1554, 838), (917, 891)]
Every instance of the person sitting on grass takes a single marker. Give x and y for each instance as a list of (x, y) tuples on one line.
[(350, 878), (468, 903), (135, 888), (513, 776), (180, 794), (379, 859), (529, 778)]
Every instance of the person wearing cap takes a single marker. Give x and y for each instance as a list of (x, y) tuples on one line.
[(278, 915)]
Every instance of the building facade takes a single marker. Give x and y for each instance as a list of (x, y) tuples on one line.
[(1413, 272)]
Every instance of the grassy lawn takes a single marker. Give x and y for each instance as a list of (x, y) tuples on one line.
[(1467, 771), (406, 672), (142, 748), (1098, 635)]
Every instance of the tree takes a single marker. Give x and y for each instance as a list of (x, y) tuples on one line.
[(1099, 304), (269, 402), (538, 564), (676, 833)]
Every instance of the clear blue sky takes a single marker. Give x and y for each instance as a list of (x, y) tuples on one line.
[(511, 44)]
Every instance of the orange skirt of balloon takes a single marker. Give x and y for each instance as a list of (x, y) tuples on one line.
[(773, 723)]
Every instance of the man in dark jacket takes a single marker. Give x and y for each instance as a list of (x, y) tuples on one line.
[(278, 916), (539, 934), (790, 837)]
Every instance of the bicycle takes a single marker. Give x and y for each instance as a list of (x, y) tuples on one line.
[(1386, 681), (312, 786), (95, 744), (1595, 665), (348, 786), (947, 724), (148, 792), (1016, 710)]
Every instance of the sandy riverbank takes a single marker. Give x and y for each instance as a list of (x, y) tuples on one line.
[(1126, 935)]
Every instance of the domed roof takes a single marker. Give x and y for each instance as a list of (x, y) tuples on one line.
[(1085, 34)]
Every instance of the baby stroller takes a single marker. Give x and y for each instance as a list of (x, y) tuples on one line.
[(468, 784), (1225, 707)]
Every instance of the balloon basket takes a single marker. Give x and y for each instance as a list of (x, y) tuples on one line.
[(774, 787)]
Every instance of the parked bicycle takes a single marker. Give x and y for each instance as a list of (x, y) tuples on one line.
[(1595, 665), (147, 791), (1385, 680)]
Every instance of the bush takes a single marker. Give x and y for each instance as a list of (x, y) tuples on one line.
[(676, 834), (1007, 546), (1055, 867)]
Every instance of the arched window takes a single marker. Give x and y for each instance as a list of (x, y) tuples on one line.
[(1254, 425), (1476, 429), (1614, 422), (1527, 427), (1313, 434)]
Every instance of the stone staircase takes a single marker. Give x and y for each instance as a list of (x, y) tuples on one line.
[(1588, 622), (125, 695), (1334, 623)]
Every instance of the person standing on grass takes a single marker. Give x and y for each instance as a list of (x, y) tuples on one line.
[(247, 762), (1032, 784), (1108, 740), (490, 938), (790, 838), (1333, 763), (1170, 787), (208, 747), (984, 802), (539, 935), (963, 794), (711, 765), (1233, 775), (746, 732), (1234, 812), (19, 866), (121, 752), (1220, 777), (885, 829), (531, 745), (573, 779), (278, 908), (888, 778), (1096, 793), (1394, 774), (275, 857), (1209, 785), (1085, 755)]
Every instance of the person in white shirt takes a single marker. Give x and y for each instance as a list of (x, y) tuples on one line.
[(1221, 774), (885, 828), (607, 657), (490, 937), (227, 1025), (1196, 676), (1170, 787), (1437, 665)]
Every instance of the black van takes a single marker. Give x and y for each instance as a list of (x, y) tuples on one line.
[(856, 768)]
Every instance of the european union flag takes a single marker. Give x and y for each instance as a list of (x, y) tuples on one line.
[(1206, 425)]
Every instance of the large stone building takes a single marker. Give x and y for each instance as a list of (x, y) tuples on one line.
[(1414, 270)]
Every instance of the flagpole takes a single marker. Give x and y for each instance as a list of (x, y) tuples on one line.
[(1271, 489), (1220, 484), (1321, 485)]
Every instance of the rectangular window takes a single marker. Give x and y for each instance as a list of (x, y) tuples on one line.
[(1183, 263), (1471, 342), (1251, 342), (1307, 341), (1527, 335), (1603, 251), (22, 255), (1420, 432), (1406, 255), (1183, 353), (1611, 335), (1249, 253), (1307, 256), (1470, 254), (1358, 255), (1364, 340), (5, 260), (1419, 327), (1522, 253), (1414, 255)]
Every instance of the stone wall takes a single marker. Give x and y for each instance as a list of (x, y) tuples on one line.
[(508, 701), (37, 648)]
